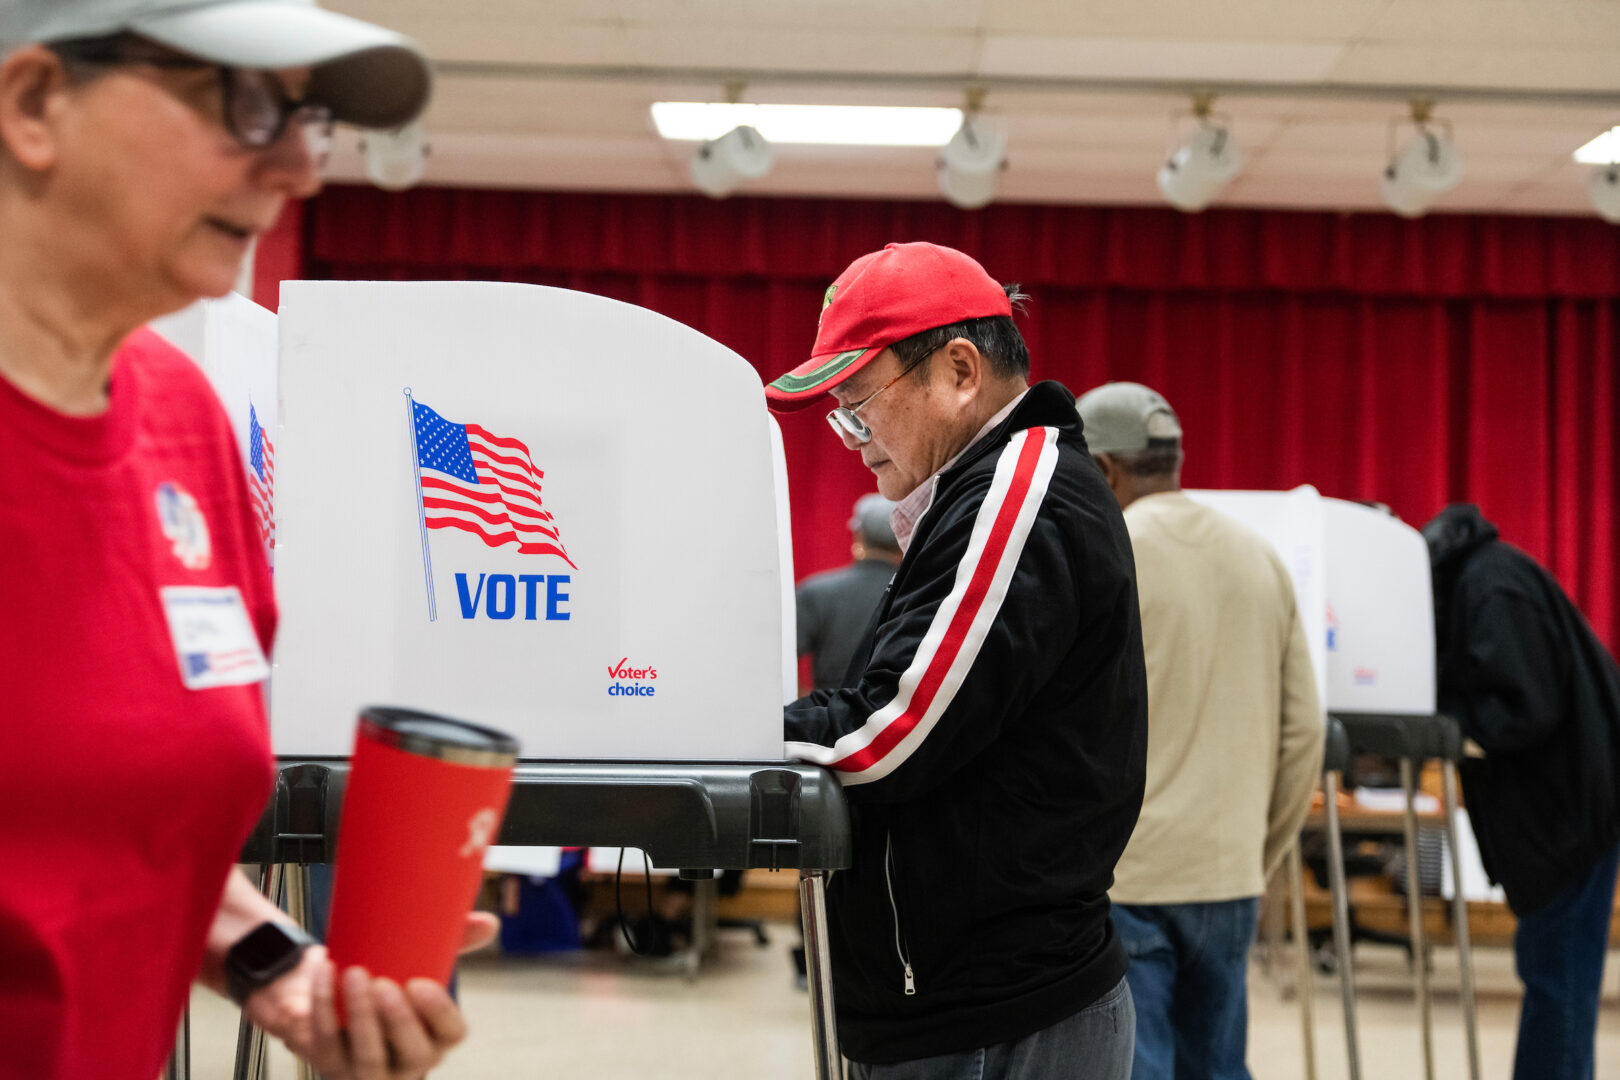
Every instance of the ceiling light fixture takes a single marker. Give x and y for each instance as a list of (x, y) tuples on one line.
[(742, 153), (970, 163), (1603, 150), (1425, 167), (1203, 163), (395, 160), (1603, 186)]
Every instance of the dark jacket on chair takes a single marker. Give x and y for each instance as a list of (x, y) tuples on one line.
[(1528, 680)]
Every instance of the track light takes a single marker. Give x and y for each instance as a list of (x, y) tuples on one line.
[(971, 162), (1201, 164), (742, 153), (1604, 188), (719, 165), (1425, 167), (395, 160)]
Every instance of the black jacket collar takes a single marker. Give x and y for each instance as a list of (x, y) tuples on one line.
[(1047, 404)]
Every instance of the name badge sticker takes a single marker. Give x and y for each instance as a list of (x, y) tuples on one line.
[(214, 640)]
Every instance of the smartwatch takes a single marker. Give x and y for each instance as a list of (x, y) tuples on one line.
[(265, 954)]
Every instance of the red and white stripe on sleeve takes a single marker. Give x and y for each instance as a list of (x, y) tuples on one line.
[(951, 645)]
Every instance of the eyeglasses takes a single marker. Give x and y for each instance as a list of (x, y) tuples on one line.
[(845, 419), (256, 108)]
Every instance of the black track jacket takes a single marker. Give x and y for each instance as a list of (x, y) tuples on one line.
[(991, 740)]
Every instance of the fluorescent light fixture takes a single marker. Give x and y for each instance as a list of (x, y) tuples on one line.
[(843, 125), (1603, 150)]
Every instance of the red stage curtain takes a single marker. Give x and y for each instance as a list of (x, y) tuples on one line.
[(1409, 363)]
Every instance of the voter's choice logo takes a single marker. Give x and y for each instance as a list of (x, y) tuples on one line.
[(471, 480), (627, 680)]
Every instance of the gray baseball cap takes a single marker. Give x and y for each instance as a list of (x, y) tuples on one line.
[(1127, 417), (369, 76), (872, 521)]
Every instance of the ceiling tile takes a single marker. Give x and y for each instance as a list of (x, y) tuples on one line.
[(1177, 59), (1509, 23), (1529, 65), (743, 47), (1245, 20), (510, 161), (550, 106), (856, 15)]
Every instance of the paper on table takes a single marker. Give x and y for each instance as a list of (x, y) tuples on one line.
[(533, 861), (1393, 800), (1476, 886)]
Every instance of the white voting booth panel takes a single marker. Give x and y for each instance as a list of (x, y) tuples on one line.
[(1361, 579), (234, 341), (538, 509), (1292, 521)]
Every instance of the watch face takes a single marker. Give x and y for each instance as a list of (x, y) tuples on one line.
[(264, 949), (263, 955)]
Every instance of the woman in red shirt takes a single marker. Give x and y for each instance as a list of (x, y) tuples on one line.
[(143, 145)]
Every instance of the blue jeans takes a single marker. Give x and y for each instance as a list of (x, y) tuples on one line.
[(1558, 950), (1093, 1044), (1188, 974)]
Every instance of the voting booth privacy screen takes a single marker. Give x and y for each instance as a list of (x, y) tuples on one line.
[(234, 341), (1361, 580), (541, 510)]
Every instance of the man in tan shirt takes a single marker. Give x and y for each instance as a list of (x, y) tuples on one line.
[(1234, 744)]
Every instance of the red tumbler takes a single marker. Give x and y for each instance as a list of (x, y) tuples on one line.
[(425, 797)]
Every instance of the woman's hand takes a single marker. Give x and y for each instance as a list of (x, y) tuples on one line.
[(393, 1032)]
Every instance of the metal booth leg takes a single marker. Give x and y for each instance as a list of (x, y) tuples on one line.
[(818, 961), (251, 1051), (705, 895), (287, 886), (180, 1062), (1459, 921), (1414, 908), (297, 900), (1302, 950), (1341, 920)]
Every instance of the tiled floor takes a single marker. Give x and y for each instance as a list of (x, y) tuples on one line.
[(601, 1017)]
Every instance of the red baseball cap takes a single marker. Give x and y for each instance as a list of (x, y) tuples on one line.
[(883, 298)]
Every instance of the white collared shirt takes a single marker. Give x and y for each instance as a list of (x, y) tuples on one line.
[(910, 510)]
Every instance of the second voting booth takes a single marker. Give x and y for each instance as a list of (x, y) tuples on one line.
[(546, 511), (1362, 583)]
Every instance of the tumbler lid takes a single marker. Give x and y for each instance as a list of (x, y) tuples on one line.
[(428, 735)]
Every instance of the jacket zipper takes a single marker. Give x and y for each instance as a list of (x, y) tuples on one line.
[(894, 909)]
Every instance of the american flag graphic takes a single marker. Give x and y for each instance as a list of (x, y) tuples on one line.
[(478, 482), (262, 478), (201, 663)]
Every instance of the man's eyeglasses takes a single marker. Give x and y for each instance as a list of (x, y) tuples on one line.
[(255, 106), (846, 419)]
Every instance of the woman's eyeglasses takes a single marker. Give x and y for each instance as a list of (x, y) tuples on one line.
[(256, 108)]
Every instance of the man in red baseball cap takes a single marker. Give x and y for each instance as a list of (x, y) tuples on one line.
[(991, 734)]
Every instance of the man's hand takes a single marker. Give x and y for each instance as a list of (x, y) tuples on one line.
[(393, 1033)]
